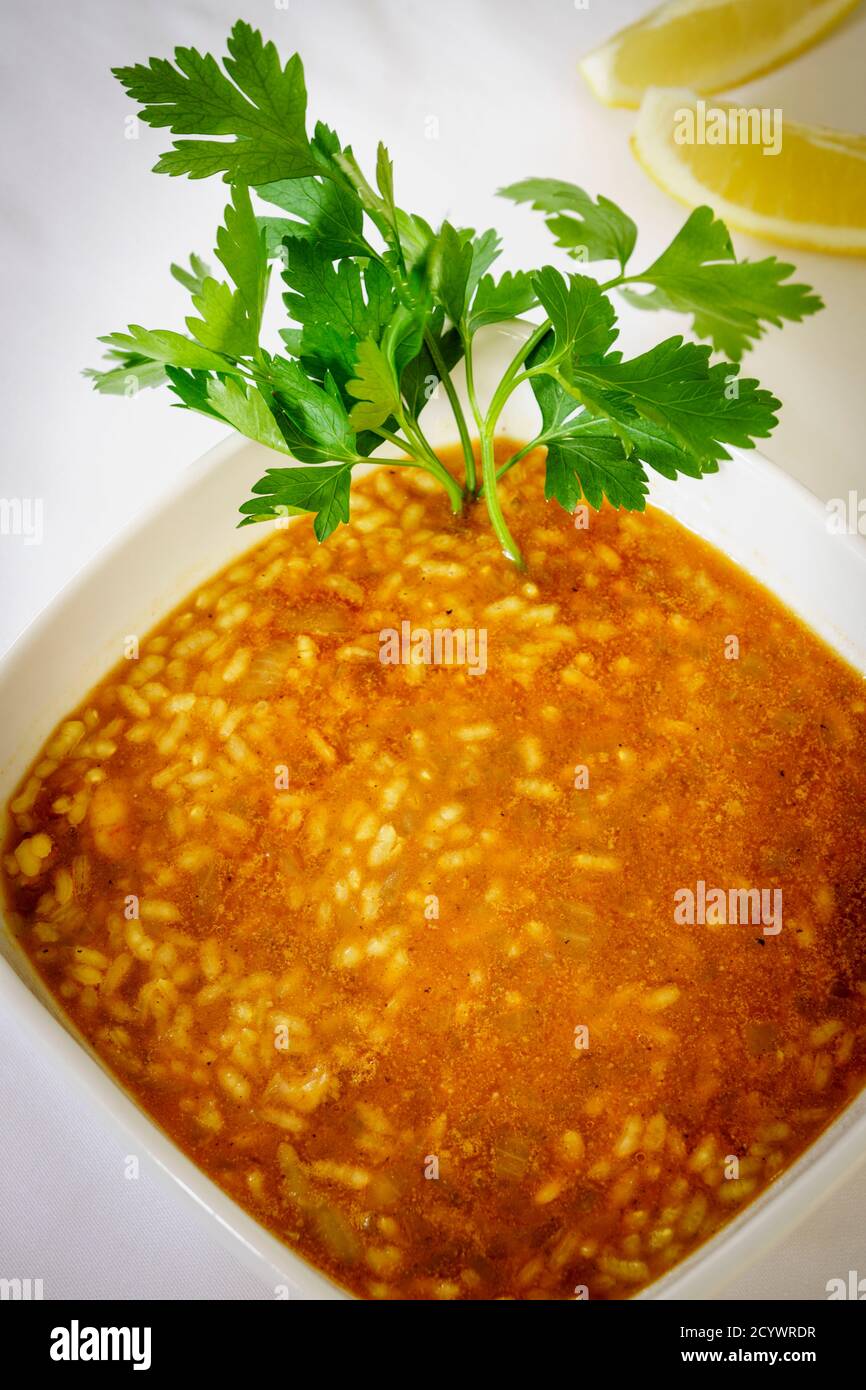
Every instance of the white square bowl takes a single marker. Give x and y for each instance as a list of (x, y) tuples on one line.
[(751, 510)]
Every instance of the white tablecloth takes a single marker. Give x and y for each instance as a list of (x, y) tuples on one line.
[(87, 237)]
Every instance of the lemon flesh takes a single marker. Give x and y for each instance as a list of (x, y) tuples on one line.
[(707, 45), (811, 194)]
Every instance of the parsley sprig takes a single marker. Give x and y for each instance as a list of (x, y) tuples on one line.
[(382, 308)]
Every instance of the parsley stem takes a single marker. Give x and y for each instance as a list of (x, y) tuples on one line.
[(521, 453), (488, 468), (470, 383), (567, 386), (486, 426), (516, 457), (428, 460), (491, 497), (402, 444), (456, 407), (508, 382), (622, 279), (454, 490)]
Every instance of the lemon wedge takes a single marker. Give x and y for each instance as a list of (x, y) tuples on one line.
[(810, 194), (707, 45)]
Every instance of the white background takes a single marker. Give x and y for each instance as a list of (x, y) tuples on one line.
[(87, 236)]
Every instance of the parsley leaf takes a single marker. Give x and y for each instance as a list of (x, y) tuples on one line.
[(131, 373), (581, 314), (458, 276), (379, 368), (673, 386), (194, 278), (450, 266), (163, 345), (583, 464), (653, 445), (312, 417), (246, 409), (374, 386), (284, 491), (485, 250), (731, 301), (224, 324), (589, 230), (191, 388), (337, 305), (385, 185), (672, 411), (261, 103), (322, 211), (241, 249), (585, 459), (231, 319), (498, 300)]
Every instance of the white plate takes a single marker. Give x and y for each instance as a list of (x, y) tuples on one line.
[(751, 510)]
